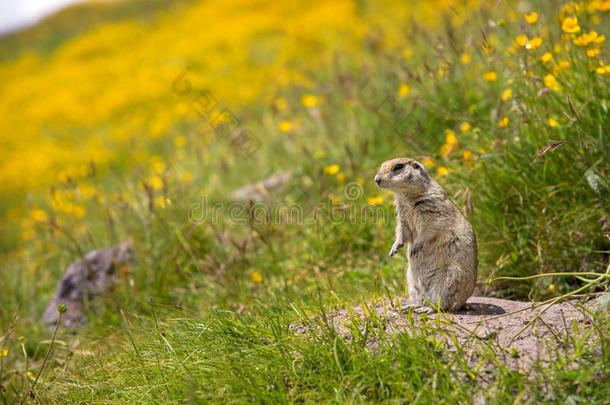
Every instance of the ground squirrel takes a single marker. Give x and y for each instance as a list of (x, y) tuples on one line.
[(440, 241)]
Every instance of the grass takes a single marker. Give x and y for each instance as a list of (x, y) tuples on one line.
[(254, 356), (205, 313)]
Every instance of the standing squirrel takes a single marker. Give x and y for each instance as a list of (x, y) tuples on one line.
[(441, 243)]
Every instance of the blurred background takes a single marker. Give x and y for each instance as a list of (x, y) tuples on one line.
[(91, 86), (15, 16)]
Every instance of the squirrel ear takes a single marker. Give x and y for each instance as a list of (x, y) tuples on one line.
[(420, 168)]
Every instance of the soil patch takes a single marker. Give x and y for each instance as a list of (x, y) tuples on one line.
[(523, 334)]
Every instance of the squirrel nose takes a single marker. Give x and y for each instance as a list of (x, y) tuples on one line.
[(377, 179)]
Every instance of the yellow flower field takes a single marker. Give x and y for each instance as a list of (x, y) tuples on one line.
[(105, 97)]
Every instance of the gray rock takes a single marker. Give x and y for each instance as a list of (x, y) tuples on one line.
[(83, 280), (260, 191), (601, 303)]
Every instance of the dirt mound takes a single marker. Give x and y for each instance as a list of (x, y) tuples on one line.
[(523, 333)]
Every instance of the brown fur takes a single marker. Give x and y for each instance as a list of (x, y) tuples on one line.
[(440, 241)]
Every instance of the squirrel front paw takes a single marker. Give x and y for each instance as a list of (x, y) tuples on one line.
[(397, 245)]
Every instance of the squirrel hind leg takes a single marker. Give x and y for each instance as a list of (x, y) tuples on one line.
[(417, 306), (417, 309), (425, 310), (455, 289)]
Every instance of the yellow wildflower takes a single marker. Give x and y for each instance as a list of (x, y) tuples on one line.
[(159, 167), (586, 39), (464, 127), (360, 180), (521, 39), (404, 90), (335, 200), (341, 176), (156, 182), (552, 122), (407, 53), (503, 122), (86, 191), (39, 215), (506, 94), (551, 287), (375, 200), (561, 66), (450, 137), (603, 70), (162, 202), (467, 154), (551, 82), (285, 126), (332, 169), (593, 52), (570, 25), (63, 176), (187, 177), (490, 76), (531, 18), (179, 141), (27, 234), (281, 103), (465, 58), (79, 211), (604, 5), (533, 43), (546, 57), (582, 40), (256, 277), (309, 100), (445, 150), (569, 8), (428, 162), (442, 170), (4, 352)]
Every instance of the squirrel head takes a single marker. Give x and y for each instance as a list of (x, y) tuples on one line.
[(402, 175)]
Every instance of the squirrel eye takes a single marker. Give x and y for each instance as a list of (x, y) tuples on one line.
[(397, 167)]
